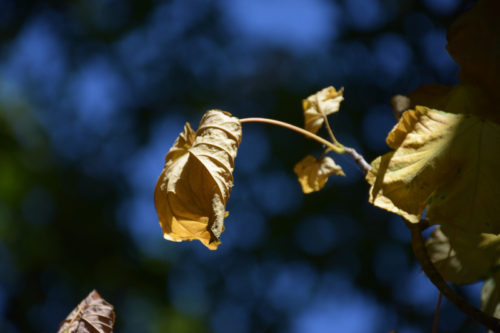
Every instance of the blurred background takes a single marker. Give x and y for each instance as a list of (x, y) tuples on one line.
[(93, 94)]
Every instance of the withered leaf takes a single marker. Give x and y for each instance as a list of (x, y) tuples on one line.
[(313, 174), (319, 105), (181, 145), (447, 163), (193, 189), (460, 257), (92, 315)]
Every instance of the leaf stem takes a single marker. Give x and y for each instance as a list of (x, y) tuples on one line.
[(338, 148), (417, 242), (325, 118)]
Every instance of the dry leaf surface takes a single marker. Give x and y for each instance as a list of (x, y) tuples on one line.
[(460, 257), (447, 163), (320, 105), (93, 315), (313, 174), (193, 189)]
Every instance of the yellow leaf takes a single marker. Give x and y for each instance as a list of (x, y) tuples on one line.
[(181, 145), (193, 189), (460, 257), (313, 174), (320, 105), (446, 162)]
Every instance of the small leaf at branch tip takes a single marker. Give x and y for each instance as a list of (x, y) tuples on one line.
[(313, 174), (319, 105), (193, 189), (92, 315)]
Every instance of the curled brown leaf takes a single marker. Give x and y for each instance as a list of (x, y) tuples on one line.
[(193, 189), (313, 174), (92, 315), (320, 105)]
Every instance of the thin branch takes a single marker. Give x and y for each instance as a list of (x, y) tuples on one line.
[(339, 149), (436, 315), (417, 242), (358, 159)]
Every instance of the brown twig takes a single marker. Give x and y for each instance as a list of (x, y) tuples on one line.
[(436, 315), (358, 159), (417, 242)]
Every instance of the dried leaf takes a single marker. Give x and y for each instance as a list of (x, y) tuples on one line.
[(193, 189), (446, 162), (460, 257), (490, 295), (93, 315), (313, 174), (181, 145), (319, 105)]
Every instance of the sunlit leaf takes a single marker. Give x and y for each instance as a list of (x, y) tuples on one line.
[(193, 189), (447, 163), (460, 257), (92, 315), (323, 103), (461, 99), (181, 145), (490, 295), (313, 174)]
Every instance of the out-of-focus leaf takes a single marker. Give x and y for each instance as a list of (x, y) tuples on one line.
[(446, 162), (399, 105), (193, 189), (461, 99), (323, 103), (460, 257), (490, 295), (474, 43), (313, 174), (93, 315)]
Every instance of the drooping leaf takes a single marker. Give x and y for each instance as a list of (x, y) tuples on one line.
[(460, 257), (193, 189), (92, 315), (490, 295), (446, 162), (323, 103), (313, 174), (181, 145)]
